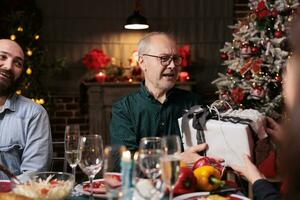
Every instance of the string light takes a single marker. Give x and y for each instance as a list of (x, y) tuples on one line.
[(36, 37), (12, 37), (18, 92), (20, 29), (29, 52), (28, 71)]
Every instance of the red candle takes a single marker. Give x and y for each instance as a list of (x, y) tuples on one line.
[(183, 76), (100, 77)]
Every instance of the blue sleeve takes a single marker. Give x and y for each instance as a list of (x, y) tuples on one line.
[(264, 190), (37, 153)]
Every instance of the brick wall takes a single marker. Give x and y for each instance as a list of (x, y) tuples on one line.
[(65, 109)]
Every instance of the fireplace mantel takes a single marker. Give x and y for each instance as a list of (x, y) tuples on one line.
[(102, 96)]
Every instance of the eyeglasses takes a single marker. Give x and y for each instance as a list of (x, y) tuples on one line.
[(166, 59)]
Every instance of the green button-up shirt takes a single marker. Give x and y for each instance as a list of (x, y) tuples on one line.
[(139, 115)]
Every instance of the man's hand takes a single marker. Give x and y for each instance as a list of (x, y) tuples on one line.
[(274, 130), (191, 155), (249, 170)]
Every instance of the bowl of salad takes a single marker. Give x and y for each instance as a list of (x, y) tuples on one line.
[(46, 185)]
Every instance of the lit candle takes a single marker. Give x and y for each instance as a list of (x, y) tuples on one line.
[(183, 76), (126, 173), (100, 77)]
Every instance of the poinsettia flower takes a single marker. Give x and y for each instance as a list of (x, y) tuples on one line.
[(184, 52), (237, 95), (96, 59), (262, 11)]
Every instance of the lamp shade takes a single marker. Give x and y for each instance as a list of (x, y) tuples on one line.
[(136, 21)]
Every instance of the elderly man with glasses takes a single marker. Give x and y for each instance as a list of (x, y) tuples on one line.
[(153, 110)]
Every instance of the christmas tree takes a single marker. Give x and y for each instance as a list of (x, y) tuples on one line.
[(256, 57), (21, 21)]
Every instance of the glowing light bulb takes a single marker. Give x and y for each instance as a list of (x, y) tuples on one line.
[(18, 92), (29, 71), (20, 29), (36, 37), (13, 37), (29, 52)]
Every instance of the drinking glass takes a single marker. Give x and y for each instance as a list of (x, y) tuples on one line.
[(111, 169), (147, 168), (91, 148), (170, 161), (72, 153), (150, 152)]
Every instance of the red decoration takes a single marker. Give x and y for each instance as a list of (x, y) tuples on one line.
[(96, 59), (237, 95), (262, 11), (245, 49), (224, 95), (278, 34), (184, 52), (229, 72), (183, 76), (274, 13), (254, 50), (278, 78), (253, 65), (224, 56), (101, 77), (257, 92)]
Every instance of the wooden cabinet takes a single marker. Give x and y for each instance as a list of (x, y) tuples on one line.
[(100, 100)]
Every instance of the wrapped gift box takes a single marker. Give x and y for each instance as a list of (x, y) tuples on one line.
[(224, 138)]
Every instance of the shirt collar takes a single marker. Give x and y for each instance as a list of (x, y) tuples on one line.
[(10, 103), (147, 94)]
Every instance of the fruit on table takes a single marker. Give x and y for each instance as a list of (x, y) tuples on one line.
[(208, 178), (186, 183)]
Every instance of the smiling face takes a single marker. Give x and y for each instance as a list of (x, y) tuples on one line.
[(11, 66), (159, 78)]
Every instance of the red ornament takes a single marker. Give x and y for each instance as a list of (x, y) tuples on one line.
[(278, 78), (257, 92), (278, 34), (224, 56), (245, 50), (248, 76), (229, 72), (254, 50), (274, 13)]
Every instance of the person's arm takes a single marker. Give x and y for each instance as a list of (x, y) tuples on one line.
[(264, 190), (37, 153), (122, 127)]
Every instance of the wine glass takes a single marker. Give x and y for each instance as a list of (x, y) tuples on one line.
[(150, 152), (91, 148), (170, 161), (72, 153), (112, 164)]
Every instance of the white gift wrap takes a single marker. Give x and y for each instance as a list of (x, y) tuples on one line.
[(227, 140)]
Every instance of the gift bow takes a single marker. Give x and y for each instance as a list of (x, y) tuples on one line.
[(253, 65)]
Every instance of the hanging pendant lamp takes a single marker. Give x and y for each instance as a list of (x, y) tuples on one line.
[(136, 21)]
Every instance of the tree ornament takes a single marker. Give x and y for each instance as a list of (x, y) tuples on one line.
[(245, 50), (278, 34), (230, 72), (257, 92), (274, 13), (254, 50), (224, 95), (278, 78), (248, 76), (224, 56)]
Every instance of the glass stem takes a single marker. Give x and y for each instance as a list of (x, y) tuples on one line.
[(74, 172), (91, 197)]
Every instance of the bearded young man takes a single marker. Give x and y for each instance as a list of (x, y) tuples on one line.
[(154, 109), (25, 135)]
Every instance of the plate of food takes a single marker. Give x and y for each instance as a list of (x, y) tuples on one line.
[(99, 188), (207, 196)]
